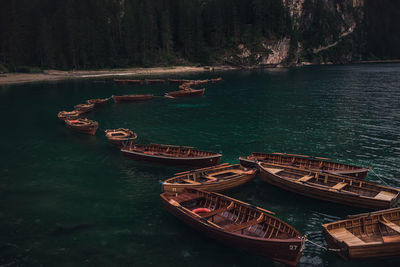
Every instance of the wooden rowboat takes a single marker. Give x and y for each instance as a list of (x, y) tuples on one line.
[(217, 178), (185, 92), (366, 236), (84, 108), (172, 155), (216, 80), (98, 101), (177, 81), (305, 162), (126, 98), (72, 115), (334, 188), (120, 136), (84, 126), (237, 224), (117, 81), (154, 81)]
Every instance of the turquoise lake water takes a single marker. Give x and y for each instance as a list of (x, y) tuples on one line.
[(68, 199)]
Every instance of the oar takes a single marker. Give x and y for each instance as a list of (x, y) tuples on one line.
[(246, 204), (178, 205)]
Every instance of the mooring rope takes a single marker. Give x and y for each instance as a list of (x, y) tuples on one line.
[(321, 247), (378, 176)]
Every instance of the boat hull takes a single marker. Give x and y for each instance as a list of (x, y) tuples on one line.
[(118, 99), (326, 194), (309, 164), (200, 161), (212, 187), (284, 251), (373, 251), (91, 130), (184, 93)]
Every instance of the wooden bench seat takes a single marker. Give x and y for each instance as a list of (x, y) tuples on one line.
[(273, 170), (217, 211), (342, 234), (190, 181), (236, 227), (384, 195), (390, 225), (305, 179), (339, 186)]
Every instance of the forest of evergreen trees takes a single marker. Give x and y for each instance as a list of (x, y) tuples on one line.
[(120, 33)]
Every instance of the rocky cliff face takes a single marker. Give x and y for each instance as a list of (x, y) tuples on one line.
[(323, 31)]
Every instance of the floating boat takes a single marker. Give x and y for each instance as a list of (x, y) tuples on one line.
[(98, 101), (172, 155), (154, 81), (366, 236), (186, 92), (177, 81), (237, 224), (72, 115), (305, 162), (126, 98), (120, 136), (84, 108), (128, 81), (216, 80), (83, 126), (217, 178), (197, 82), (329, 187), (184, 86)]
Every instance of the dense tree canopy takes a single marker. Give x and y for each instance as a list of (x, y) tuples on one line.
[(120, 33), (108, 33)]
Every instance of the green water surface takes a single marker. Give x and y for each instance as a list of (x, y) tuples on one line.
[(68, 199)]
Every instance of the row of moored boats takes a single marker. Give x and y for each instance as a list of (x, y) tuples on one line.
[(193, 197), (75, 119)]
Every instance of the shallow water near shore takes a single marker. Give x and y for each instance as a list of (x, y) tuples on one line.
[(73, 200)]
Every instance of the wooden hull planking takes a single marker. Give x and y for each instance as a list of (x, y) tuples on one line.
[(177, 161), (305, 162), (286, 251), (328, 194), (365, 237), (214, 186)]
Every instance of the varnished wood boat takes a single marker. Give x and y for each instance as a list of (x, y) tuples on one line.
[(237, 224), (186, 92), (154, 81), (98, 101), (216, 80), (71, 115), (84, 108), (329, 187), (217, 178), (126, 98), (305, 162), (366, 236), (177, 81), (197, 82), (120, 136), (83, 126), (172, 155), (118, 81)]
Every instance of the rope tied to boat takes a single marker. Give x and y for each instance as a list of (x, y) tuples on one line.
[(320, 246), (379, 177)]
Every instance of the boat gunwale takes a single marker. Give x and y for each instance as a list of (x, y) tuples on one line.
[(124, 150)]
